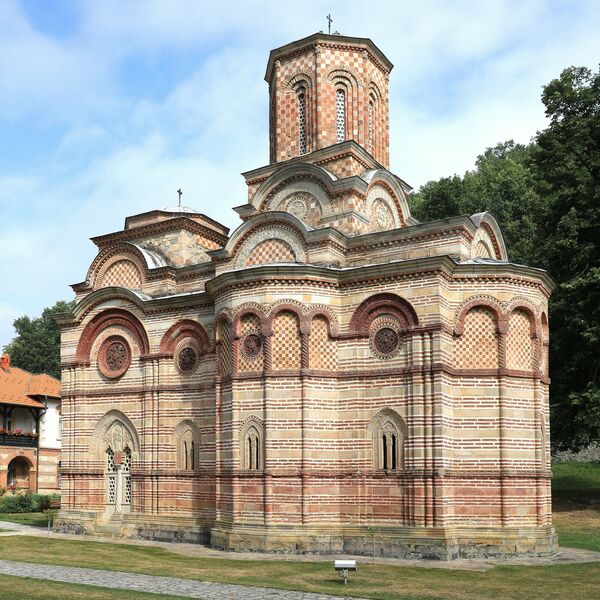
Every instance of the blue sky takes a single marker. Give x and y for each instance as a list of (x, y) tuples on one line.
[(107, 107)]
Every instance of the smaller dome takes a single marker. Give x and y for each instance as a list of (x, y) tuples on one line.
[(180, 209)]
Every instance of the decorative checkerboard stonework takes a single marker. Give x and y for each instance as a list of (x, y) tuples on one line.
[(322, 348), (122, 273), (286, 342), (270, 251), (477, 347), (519, 347)]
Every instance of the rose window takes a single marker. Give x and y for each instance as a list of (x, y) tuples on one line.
[(116, 356), (187, 360), (252, 345), (386, 340)]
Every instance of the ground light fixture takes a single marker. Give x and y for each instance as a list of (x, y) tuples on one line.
[(343, 567)]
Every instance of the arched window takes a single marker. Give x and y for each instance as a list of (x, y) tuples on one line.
[(302, 120), (251, 445), (187, 450), (340, 115), (388, 432), (253, 453)]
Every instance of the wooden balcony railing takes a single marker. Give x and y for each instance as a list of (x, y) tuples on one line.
[(24, 441)]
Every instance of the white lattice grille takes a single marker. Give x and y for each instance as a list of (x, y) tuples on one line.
[(111, 477), (340, 115), (370, 127), (302, 121), (126, 470)]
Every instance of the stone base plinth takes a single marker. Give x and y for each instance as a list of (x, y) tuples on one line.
[(402, 542), (436, 543)]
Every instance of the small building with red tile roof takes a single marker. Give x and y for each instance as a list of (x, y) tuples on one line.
[(29, 430)]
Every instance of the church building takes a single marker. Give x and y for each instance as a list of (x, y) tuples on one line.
[(332, 376)]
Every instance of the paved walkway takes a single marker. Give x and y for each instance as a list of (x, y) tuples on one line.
[(186, 588)]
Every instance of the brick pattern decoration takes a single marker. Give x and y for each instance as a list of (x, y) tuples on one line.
[(286, 342), (271, 251), (122, 273), (321, 70), (250, 324), (519, 347), (477, 347), (322, 349)]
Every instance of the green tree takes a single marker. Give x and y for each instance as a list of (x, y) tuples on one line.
[(502, 183), (36, 348), (567, 163)]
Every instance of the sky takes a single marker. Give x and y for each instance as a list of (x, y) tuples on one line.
[(108, 107)]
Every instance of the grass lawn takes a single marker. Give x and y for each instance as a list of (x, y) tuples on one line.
[(576, 504), (576, 582), (19, 588), (37, 519)]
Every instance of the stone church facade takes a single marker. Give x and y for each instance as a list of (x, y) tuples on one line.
[(333, 376)]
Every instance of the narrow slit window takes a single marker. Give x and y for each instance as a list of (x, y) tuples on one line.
[(340, 115), (385, 451), (302, 120), (192, 457), (370, 127), (394, 453)]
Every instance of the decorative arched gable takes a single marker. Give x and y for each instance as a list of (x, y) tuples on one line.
[(109, 318), (122, 265), (115, 431), (299, 178), (264, 243), (488, 238), (186, 328), (378, 305)]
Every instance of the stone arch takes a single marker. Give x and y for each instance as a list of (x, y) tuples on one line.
[(108, 318), (252, 444), (378, 304), (279, 232), (526, 306), (296, 178), (114, 430), (388, 432), (292, 306), (381, 180), (487, 301), (298, 79), (186, 440), (489, 230), (326, 312), (20, 472), (110, 256), (252, 308), (180, 330)]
